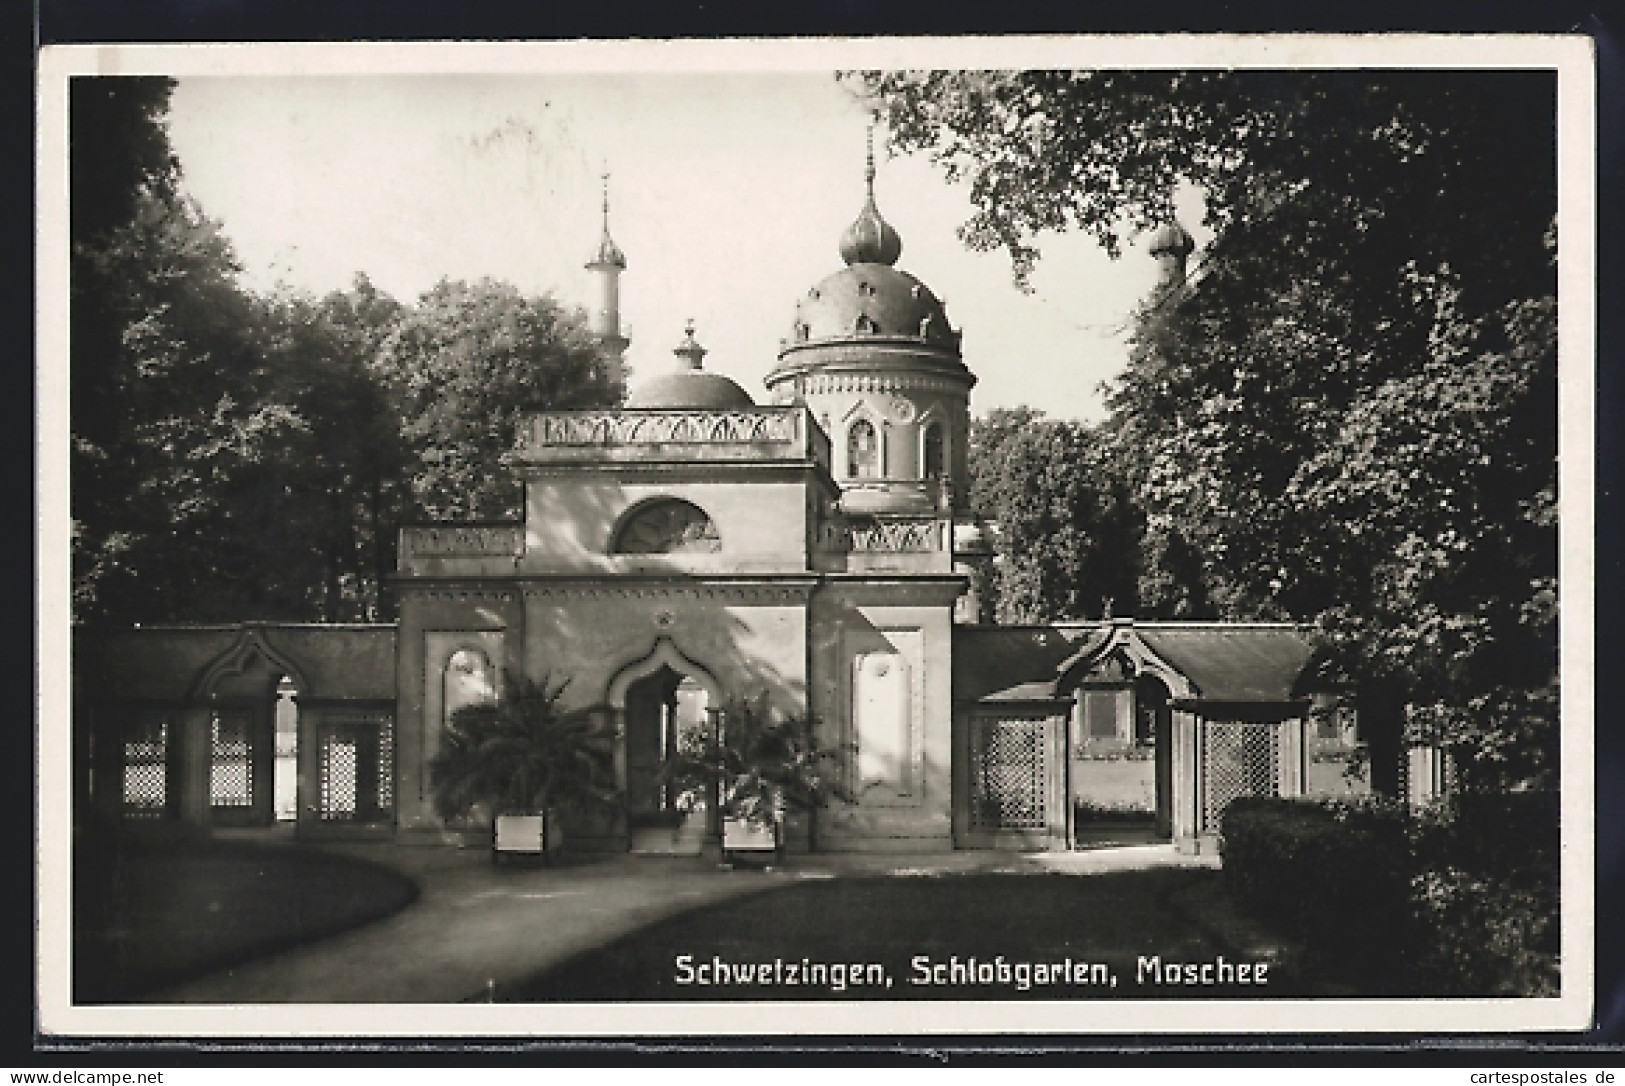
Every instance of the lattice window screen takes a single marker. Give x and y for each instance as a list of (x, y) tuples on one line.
[(146, 765), (231, 759), (386, 764), (338, 778), (1010, 774), (1242, 759), (356, 766)]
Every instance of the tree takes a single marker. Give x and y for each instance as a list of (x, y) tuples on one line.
[(1066, 527), (170, 407), (463, 366), (341, 484), (1346, 418), (232, 455)]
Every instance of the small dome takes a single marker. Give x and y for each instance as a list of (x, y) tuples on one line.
[(1171, 237), (693, 389), (871, 299), (690, 386)]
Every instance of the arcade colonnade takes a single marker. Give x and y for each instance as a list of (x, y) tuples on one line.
[(1036, 728)]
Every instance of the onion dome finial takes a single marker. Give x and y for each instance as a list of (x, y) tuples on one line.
[(689, 350), (870, 239), (1171, 237), (608, 254)]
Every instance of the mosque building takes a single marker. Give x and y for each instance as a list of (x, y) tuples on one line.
[(815, 553)]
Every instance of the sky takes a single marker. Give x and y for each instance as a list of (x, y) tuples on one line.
[(728, 190)]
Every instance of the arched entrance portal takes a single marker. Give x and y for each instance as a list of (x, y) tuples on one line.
[(1153, 726), (667, 704)]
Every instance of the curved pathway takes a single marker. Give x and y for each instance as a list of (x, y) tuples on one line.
[(478, 927)]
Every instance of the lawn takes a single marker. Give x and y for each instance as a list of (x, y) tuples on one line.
[(149, 913), (1032, 936)]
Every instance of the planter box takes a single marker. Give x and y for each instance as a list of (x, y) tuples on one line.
[(526, 835), (746, 838)]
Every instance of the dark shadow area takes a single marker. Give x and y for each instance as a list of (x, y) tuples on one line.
[(151, 911), (1112, 921)]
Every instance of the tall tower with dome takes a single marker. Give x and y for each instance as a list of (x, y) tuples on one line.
[(871, 353)]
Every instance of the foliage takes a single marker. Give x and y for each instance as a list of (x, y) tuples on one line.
[(758, 763), (1066, 526), (173, 416), (520, 753), (1347, 417), (1332, 873), (1458, 902), (249, 456), (462, 367), (342, 485)]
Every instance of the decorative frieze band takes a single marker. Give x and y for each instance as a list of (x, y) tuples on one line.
[(464, 541), (604, 428), (896, 535), (457, 595), (697, 593), (823, 384)]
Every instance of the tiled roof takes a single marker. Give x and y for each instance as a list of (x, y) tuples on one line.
[(1227, 662), (1233, 663)]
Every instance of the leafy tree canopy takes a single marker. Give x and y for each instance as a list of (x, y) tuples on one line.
[(1347, 416), (463, 366), (1067, 528)]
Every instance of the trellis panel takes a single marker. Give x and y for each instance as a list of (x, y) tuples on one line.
[(1239, 758), (1014, 781), (355, 767), (147, 738)]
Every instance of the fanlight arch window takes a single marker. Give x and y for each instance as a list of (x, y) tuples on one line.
[(862, 450), (667, 526), (933, 453)]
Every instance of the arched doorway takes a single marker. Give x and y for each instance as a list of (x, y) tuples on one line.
[(665, 712), (1153, 727), (667, 704)]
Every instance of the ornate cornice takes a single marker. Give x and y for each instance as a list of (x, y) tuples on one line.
[(752, 593), (838, 383), (443, 593)]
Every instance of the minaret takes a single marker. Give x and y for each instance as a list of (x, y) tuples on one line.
[(606, 264), (1171, 246)]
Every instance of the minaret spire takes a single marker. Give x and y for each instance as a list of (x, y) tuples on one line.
[(606, 264), (870, 240), (869, 159)]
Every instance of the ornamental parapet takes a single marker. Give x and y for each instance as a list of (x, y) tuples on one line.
[(889, 535), (463, 541), (782, 433)]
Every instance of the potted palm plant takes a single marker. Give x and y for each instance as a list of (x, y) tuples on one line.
[(755, 767), (528, 763)]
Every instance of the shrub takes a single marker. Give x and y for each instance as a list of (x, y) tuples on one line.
[(1461, 900), (1334, 874), (1486, 891)]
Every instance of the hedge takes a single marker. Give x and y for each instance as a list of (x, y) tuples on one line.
[(1458, 901), (1332, 875)]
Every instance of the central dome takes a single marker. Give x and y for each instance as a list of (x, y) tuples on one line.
[(869, 298), (866, 299)]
